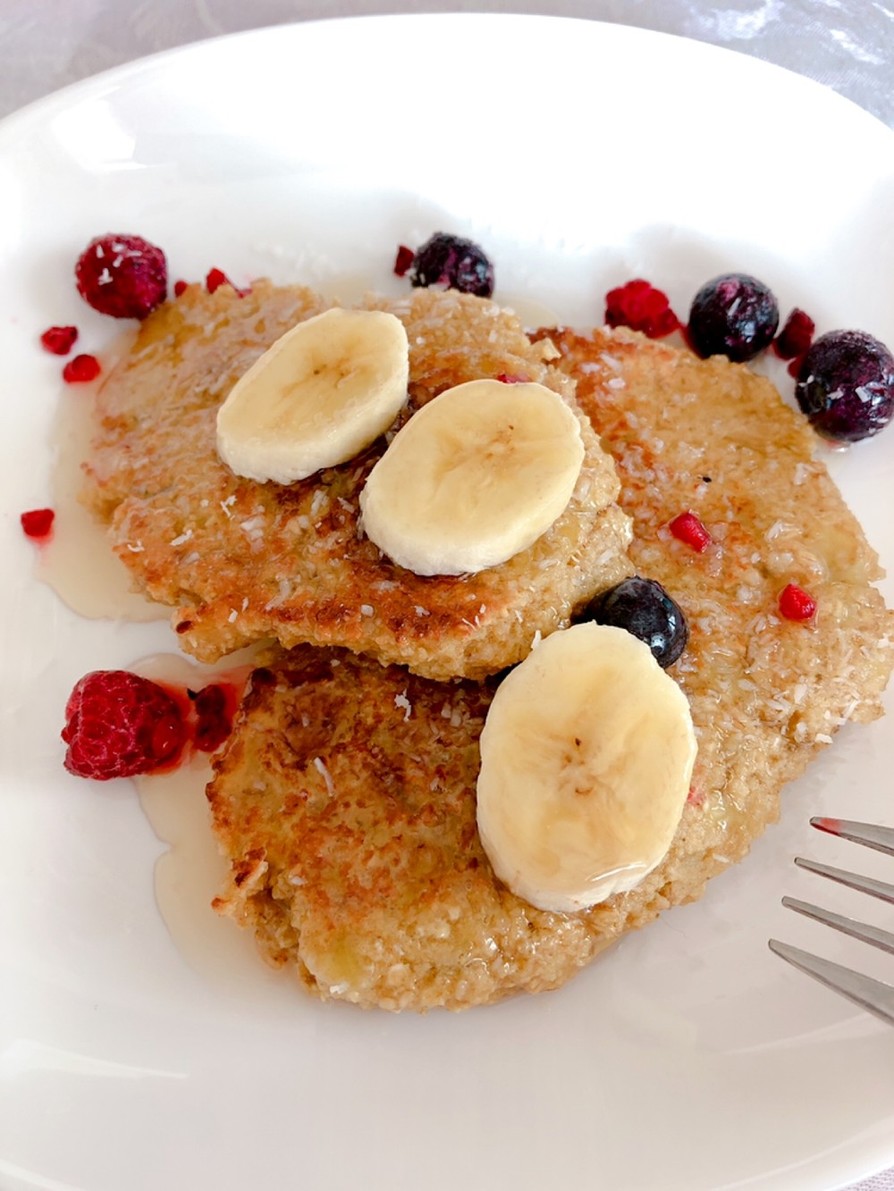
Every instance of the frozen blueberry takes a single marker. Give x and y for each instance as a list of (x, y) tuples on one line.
[(733, 315), (455, 263), (846, 385), (643, 608)]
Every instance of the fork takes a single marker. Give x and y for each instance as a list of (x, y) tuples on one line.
[(872, 995)]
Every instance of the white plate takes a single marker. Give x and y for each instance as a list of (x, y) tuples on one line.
[(580, 155)]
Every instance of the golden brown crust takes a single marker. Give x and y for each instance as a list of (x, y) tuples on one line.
[(243, 561), (352, 835)]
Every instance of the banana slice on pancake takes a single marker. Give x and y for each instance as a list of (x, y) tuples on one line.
[(586, 760), (474, 477), (324, 391)]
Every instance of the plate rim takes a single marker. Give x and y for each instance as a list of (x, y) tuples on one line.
[(117, 75)]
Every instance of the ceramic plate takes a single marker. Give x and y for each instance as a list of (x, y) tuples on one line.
[(141, 1048)]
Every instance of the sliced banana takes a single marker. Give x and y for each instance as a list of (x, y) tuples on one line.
[(586, 759), (324, 391), (475, 476)]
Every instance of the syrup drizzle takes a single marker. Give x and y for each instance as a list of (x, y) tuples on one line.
[(77, 562)]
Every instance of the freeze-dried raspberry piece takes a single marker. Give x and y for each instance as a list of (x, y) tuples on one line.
[(403, 260), (118, 724), (59, 340), (37, 523), (123, 276), (81, 369), (796, 604), (688, 528)]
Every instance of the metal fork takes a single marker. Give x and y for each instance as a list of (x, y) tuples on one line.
[(872, 995)]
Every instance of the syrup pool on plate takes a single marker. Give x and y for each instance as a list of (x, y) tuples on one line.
[(79, 566), (192, 871), (77, 562)]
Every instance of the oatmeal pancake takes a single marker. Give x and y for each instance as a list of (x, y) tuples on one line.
[(345, 798), (242, 561)]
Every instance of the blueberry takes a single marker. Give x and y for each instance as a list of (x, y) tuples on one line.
[(453, 262), (643, 608), (733, 315), (846, 385)]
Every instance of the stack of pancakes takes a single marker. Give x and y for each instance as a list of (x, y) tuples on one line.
[(345, 797)]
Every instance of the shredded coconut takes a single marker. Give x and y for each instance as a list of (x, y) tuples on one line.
[(320, 767)]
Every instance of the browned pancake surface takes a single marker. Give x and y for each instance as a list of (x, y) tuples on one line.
[(345, 799), (242, 561)]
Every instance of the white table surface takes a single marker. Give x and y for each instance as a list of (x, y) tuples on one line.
[(845, 44)]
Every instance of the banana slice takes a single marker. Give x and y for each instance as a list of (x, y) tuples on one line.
[(324, 391), (475, 476), (586, 760)]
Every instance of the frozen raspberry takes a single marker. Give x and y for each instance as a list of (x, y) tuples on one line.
[(37, 523), (733, 315), (796, 604), (795, 337), (689, 529), (455, 263), (118, 724), (846, 385), (214, 705), (121, 275), (81, 369), (641, 307), (59, 340), (403, 260)]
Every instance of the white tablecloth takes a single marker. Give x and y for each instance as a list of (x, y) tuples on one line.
[(846, 44)]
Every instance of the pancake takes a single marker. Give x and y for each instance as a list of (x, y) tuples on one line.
[(242, 561), (345, 797)]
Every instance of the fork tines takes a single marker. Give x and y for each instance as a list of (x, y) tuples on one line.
[(872, 995)]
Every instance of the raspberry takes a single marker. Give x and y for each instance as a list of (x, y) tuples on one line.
[(214, 705), (37, 523), (124, 276), (641, 307), (81, 369), (118, 724), (59, 340), (403, 260), (795, 337), (689, 529), (796, 604)]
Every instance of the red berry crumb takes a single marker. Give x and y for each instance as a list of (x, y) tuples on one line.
[(81, 369), (180, 288), (59, 340), (214, 707), (403, 260), (796, 604), (796, 336), (123, 276), (689, 529), (215, 278), (509, 378), (641, 307), (118, 724), (37, 523)]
